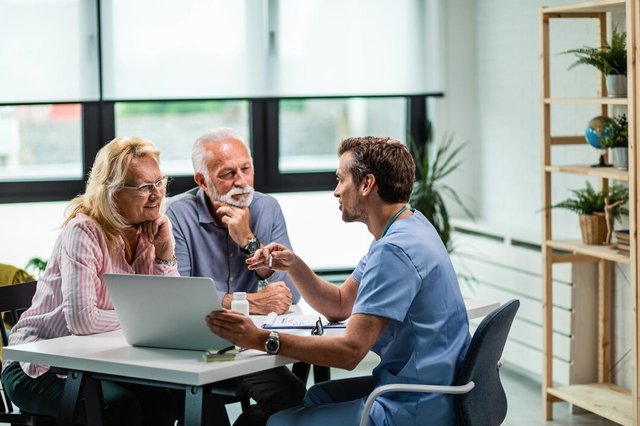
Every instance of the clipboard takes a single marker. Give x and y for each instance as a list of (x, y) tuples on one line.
[(296, 321)]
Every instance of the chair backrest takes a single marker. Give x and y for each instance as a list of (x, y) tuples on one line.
[(14, 299), (486, 404)]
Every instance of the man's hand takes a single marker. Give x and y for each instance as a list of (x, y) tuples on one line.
[(273, 256), (158, 232), (236, 328), (275, 297), (237, 221)]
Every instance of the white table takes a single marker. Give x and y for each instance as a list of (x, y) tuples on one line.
[(108, 356)]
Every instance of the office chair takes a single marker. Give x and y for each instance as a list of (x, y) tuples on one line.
[(479, 398), (15, 299)]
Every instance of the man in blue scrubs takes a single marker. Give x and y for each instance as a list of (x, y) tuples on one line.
[(403, 300)]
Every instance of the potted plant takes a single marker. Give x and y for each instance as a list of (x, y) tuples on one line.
[(609, 59), (433, 164), (616, 137), (590, 205)]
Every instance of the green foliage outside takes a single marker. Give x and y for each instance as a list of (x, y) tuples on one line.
[(174, 107), (610, 59), (433, 164), (616, 132), (588, 200)]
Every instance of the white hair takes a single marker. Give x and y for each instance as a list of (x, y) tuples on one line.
[(217, 135)]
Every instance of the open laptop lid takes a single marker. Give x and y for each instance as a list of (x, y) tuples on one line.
[(165, 312)]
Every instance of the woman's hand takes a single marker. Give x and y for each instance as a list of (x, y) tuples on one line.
[(158, 232)]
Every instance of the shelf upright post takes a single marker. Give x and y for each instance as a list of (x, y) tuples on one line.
[(547, 294)]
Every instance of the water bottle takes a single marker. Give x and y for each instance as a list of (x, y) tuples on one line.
[(240, 302)]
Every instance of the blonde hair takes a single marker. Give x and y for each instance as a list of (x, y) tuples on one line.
[(106, 178)]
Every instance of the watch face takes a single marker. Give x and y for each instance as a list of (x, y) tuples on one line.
[(253, 245), (272, 345)]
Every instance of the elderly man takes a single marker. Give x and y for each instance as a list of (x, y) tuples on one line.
[(403, 301), (217, 226)]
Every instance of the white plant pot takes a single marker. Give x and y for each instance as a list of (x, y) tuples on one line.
[(620, 157), (616, 86)]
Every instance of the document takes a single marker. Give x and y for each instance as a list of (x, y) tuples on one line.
[(274, 320)]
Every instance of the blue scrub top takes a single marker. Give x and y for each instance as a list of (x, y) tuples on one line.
[(407, 276)]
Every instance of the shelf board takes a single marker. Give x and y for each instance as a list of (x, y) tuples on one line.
[(581, 169), (586, 101), (595, 6), (604, 399), (598, 252)]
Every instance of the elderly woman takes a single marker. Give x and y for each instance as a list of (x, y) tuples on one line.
[(116, 226)]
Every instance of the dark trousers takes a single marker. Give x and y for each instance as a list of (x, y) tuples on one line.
[(273, 390), (124, 403)]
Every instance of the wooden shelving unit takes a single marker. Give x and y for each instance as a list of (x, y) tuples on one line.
[(603, 398)]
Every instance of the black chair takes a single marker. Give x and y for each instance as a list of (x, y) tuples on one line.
[(15, 299), (479, 396)]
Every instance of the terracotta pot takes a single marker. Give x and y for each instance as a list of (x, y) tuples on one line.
[(593, 228)]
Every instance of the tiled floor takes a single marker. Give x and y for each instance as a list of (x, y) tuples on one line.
[(523, 394)]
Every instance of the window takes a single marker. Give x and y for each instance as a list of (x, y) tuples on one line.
[(40, 142), (48, 51), (312, 129), (174, 126)]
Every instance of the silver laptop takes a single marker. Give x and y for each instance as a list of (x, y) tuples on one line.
[(165, 312)]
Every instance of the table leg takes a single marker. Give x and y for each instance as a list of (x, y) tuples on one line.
[(321, 374), (78, 384), (193, 401), (93, 401)]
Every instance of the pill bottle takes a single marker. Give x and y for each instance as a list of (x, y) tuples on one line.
[(240, 302)]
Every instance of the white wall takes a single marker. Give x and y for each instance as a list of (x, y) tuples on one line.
[(493, 100)]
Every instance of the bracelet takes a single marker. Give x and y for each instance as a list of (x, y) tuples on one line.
[(170, 262)]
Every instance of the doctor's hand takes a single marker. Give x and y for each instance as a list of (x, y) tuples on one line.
[(236, 328), (273, 256), (275, 297)]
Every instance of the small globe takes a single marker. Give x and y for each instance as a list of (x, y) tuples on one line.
[(596, 130)]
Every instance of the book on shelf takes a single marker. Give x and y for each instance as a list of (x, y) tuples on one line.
[(622, 235), (622, 247)]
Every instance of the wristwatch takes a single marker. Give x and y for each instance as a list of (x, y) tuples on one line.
[(272, 344), (252, 246)]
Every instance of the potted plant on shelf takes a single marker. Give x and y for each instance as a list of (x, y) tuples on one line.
[(433, 164), (616, 137), (610, 60), (590, 205)]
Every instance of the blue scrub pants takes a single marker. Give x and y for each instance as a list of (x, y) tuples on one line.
[(334, 403)]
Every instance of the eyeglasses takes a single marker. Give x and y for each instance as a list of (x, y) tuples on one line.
[(318, 330), (146, 189)]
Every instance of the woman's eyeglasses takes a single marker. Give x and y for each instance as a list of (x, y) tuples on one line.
[(318, 329), (146, 189)]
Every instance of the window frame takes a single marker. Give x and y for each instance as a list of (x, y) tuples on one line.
[(98, 127)]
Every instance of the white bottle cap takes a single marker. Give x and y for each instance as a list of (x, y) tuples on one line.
[(239, 295)]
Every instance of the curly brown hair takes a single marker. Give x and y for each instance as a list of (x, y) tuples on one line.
[(387, 159)]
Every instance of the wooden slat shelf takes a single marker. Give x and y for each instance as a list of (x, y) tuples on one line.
[(586, 101), (598, 252), (598, 6), (607, 400), (595, 339), (581, 169)]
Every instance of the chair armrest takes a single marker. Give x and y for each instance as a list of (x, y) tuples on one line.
[(410, 388)]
